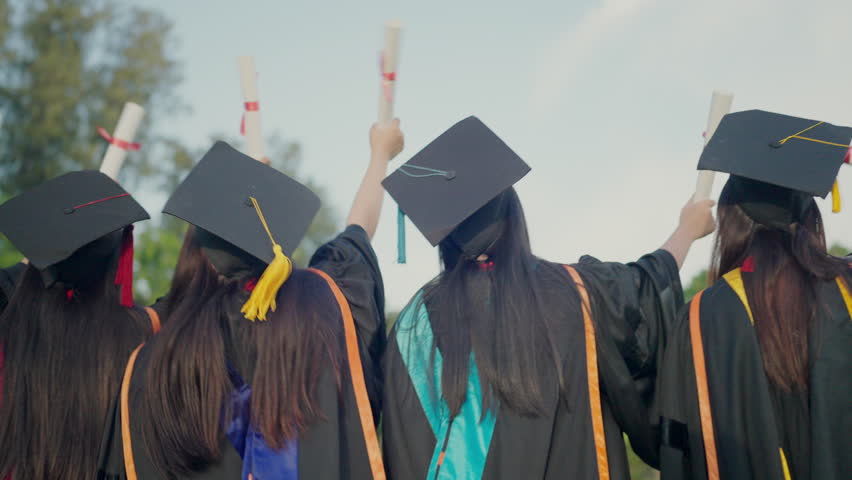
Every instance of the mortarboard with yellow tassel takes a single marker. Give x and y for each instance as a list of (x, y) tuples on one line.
[(253, 207), (798, 154)]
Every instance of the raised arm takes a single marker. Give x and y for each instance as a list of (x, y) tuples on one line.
[(696, 221), (386, 141)]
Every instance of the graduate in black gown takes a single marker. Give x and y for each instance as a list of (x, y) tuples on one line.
[(69, 326), (757, 376), (492, 370), (262, 371)]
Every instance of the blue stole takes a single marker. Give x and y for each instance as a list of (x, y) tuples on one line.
[(260, 460)]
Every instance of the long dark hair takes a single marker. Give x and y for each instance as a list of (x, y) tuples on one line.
[(783, 291), (63, 364), (497, 311), (187, 381)]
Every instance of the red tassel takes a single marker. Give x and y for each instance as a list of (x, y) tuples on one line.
[(124, 273), (69, 294), (748, 264)]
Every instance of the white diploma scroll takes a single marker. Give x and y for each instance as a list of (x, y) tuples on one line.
[(122, 139), (388, 63), (720, 105), (251, 105)]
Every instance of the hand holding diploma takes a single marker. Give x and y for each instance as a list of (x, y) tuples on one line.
[(696, 221)]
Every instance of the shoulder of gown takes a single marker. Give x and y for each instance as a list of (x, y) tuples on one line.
[(634, 305), (350, 261)]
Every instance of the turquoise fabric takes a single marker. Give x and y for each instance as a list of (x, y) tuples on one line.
[(470, 433)]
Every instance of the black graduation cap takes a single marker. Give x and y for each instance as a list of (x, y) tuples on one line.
[(458, 173), (216, 196), (790, 152), (55, 219), (777, 162)]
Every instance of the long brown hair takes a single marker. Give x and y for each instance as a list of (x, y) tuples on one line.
[(63, 364), (187, 381), (783, 291), (499, 314)]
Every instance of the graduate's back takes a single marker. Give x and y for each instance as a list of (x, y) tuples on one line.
[(492, 369), (212, 376), (67, 330), (495, 370), (262, 369), (775, 330), (758, 373)]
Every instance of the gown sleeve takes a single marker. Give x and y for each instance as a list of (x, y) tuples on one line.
[(351, 262), (634, 305)]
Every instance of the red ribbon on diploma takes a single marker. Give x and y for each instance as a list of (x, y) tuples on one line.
[(387, 78), (124, 145), (250, 107)]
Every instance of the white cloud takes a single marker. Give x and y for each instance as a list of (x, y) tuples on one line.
[(572, 46)]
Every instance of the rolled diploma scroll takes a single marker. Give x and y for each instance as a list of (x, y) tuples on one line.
[(248, 83), (390, 61), (125, 131), (720, 105)]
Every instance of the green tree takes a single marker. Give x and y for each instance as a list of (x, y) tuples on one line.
[(67, 67), (639, 470), (839, 250), (695, 285)]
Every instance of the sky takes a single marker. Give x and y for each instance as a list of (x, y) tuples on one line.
[(606, 100)]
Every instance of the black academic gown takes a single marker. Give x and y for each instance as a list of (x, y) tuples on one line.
[(631, 306), (753, 421), (332, 448)]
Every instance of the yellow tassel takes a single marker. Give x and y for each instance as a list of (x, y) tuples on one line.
[(784, 465), (262, 298), (835, 198)]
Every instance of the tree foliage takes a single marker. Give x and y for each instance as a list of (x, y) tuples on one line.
[(69, 66), (66, 68)]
